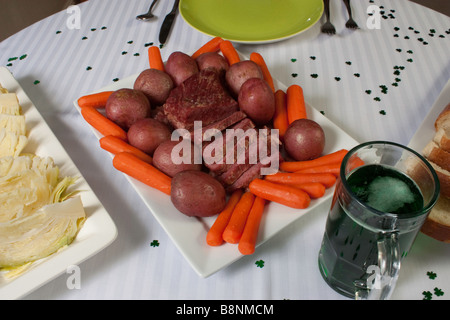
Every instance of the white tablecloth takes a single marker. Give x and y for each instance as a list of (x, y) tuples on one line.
[(373, 83)]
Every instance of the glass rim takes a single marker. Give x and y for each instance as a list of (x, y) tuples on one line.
[(413, 214)]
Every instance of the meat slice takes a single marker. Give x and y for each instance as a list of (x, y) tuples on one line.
[(219, 126), (202, 97)]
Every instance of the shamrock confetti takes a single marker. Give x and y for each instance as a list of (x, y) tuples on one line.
[(438, 292), (154, 243), (432, 275), (36, 82), (427, 295), (314, 75), (260, 263)]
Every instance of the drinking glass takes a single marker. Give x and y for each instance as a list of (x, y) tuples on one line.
[(382, 198)]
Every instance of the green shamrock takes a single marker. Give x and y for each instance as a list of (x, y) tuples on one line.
[(260, 263), (154, 243)]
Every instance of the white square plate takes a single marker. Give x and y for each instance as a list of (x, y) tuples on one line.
[(189, 234), (98, 230)]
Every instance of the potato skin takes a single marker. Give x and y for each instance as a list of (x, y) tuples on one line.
[(126, 106), (155, 84), (180, 66), (196, 193), (257, 100), (147, 134), (162, 158), (212, 60), (240, 72), (304, 140)]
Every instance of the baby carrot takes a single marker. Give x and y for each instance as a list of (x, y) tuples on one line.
[(102, 124), (235, 226), (327, 179), (281, 193), (296, 107), (96, 100), (247, 242), (116, 145), (292, 166), (280, 120), (259, 60), (210, 46), (314, 189), (214, 235), (229, 52), (154, 58), (333, 168), (142, 171)]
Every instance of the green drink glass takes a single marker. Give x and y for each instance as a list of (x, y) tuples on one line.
[(382, 198)]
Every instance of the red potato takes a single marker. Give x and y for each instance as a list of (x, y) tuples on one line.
[(126, 106), (180, 66), (196, 193), (240, 72), (147, 134), (304, 140), (257, 100), (212, 60), (155, 84), (164, 160)]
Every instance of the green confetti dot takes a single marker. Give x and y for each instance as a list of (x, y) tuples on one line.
[(368, 91), (427, 295), (410, 60), (312, 58), (116, 79), (58, 32), (136, 54), (260, 263), (438, 292), (9, 64), (88, 68), (377, 99), (294, 75), (357, 75), (314, 75), (154, 243), (395, 84), (337, 78), (23, 56), (124, 53), (12, 59), (293, 60), (148, 44), (432, 275), (398, 50), (383, 112), (130, 42), (93, 29), (84, 38), (36, 82), (104, 28), (406, 37), (348, 63)]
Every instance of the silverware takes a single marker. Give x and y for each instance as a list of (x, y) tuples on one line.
[(149, 14), (350, 23), (328, 27), (167, 23)]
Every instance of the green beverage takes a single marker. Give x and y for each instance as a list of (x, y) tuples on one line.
[(349, 245)]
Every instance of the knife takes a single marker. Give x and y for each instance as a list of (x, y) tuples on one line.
[(167, 23)]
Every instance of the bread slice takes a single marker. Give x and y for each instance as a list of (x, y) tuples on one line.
[(437, 224), (436, 154), (442, 138), (443, 119)]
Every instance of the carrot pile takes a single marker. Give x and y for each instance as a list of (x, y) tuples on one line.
[(295, 185)]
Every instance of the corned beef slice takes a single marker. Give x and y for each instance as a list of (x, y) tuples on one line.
[(202, 97)]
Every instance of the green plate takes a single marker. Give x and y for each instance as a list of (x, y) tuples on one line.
[(251, 21)]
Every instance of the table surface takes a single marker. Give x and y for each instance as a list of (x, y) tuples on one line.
[(375, 84)]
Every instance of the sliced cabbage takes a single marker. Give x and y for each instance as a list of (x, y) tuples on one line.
[(9, 104), (13, 123), (38, 235), (11, 143)]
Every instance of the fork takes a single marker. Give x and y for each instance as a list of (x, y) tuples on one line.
[(350, 23), (328, 27)]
